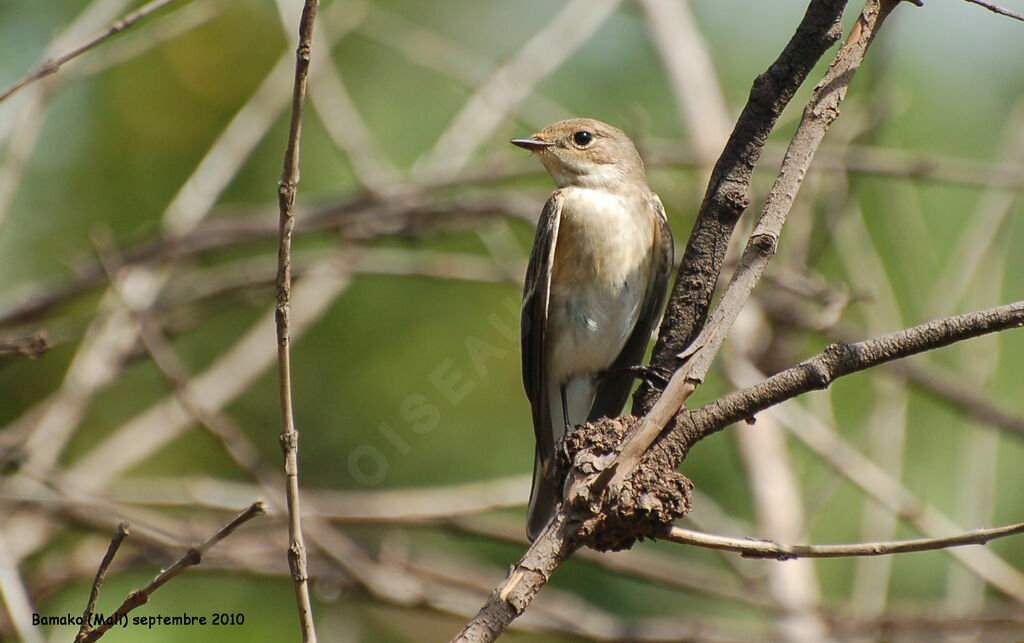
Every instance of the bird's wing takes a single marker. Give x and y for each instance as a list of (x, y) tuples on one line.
[(533, 325), (613, 390)]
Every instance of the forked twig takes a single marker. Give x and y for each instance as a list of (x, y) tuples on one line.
[(53, 64), (754, 548), (97, 583), (193, 556)]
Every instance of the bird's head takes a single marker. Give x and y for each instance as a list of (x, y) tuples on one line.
[(585, 152)]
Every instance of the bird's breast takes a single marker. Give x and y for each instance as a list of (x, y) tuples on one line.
[(602, 263)]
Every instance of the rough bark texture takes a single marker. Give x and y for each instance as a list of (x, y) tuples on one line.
[(653, 496), (728, 192)]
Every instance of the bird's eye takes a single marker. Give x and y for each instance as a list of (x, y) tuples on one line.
[(582, 138)]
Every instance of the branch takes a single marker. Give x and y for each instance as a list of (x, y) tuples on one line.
[(753, 548), (728, 192), (937, 381), (819, 114), (726, 198), (997, 9), (289, 436), (53, 64), (510, 599), (194, 556), (101, 573), (357, 220), (562, 536), (836, 361)]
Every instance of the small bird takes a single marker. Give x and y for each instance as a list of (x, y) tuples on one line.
[(594, 288)]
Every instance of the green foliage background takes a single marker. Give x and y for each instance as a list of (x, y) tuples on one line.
[(115, 147)]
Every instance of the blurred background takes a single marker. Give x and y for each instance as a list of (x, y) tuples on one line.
[(138, 225)]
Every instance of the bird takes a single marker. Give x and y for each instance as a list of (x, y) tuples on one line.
[(594, 289)]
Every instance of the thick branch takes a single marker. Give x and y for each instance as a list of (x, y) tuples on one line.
[(728, 192), (836, 361), (819, 114)]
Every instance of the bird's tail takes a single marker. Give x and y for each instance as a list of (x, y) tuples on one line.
[(543, 498)]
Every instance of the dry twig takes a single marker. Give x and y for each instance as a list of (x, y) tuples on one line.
[(97, 583), (755, 548), (994, 8), (52, 65), (819, 114), (194, 556), (289, 436)]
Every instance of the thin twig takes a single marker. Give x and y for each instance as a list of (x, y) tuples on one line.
[(834, 450), (193, 556), (97, 583), (53, 64), (997, 9), (289, 436), (755, 548)]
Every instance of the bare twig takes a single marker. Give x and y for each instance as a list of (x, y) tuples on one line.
[(97, 583), (839, 360), (997, 9), (755, 548), (194, 556), (52, 65), (289, 436), (726, 198), (932, 378), (885, 490)]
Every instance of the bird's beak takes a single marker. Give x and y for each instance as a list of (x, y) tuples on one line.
[(532, 143)]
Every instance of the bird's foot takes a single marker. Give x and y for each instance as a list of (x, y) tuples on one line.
[(649, 374)]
